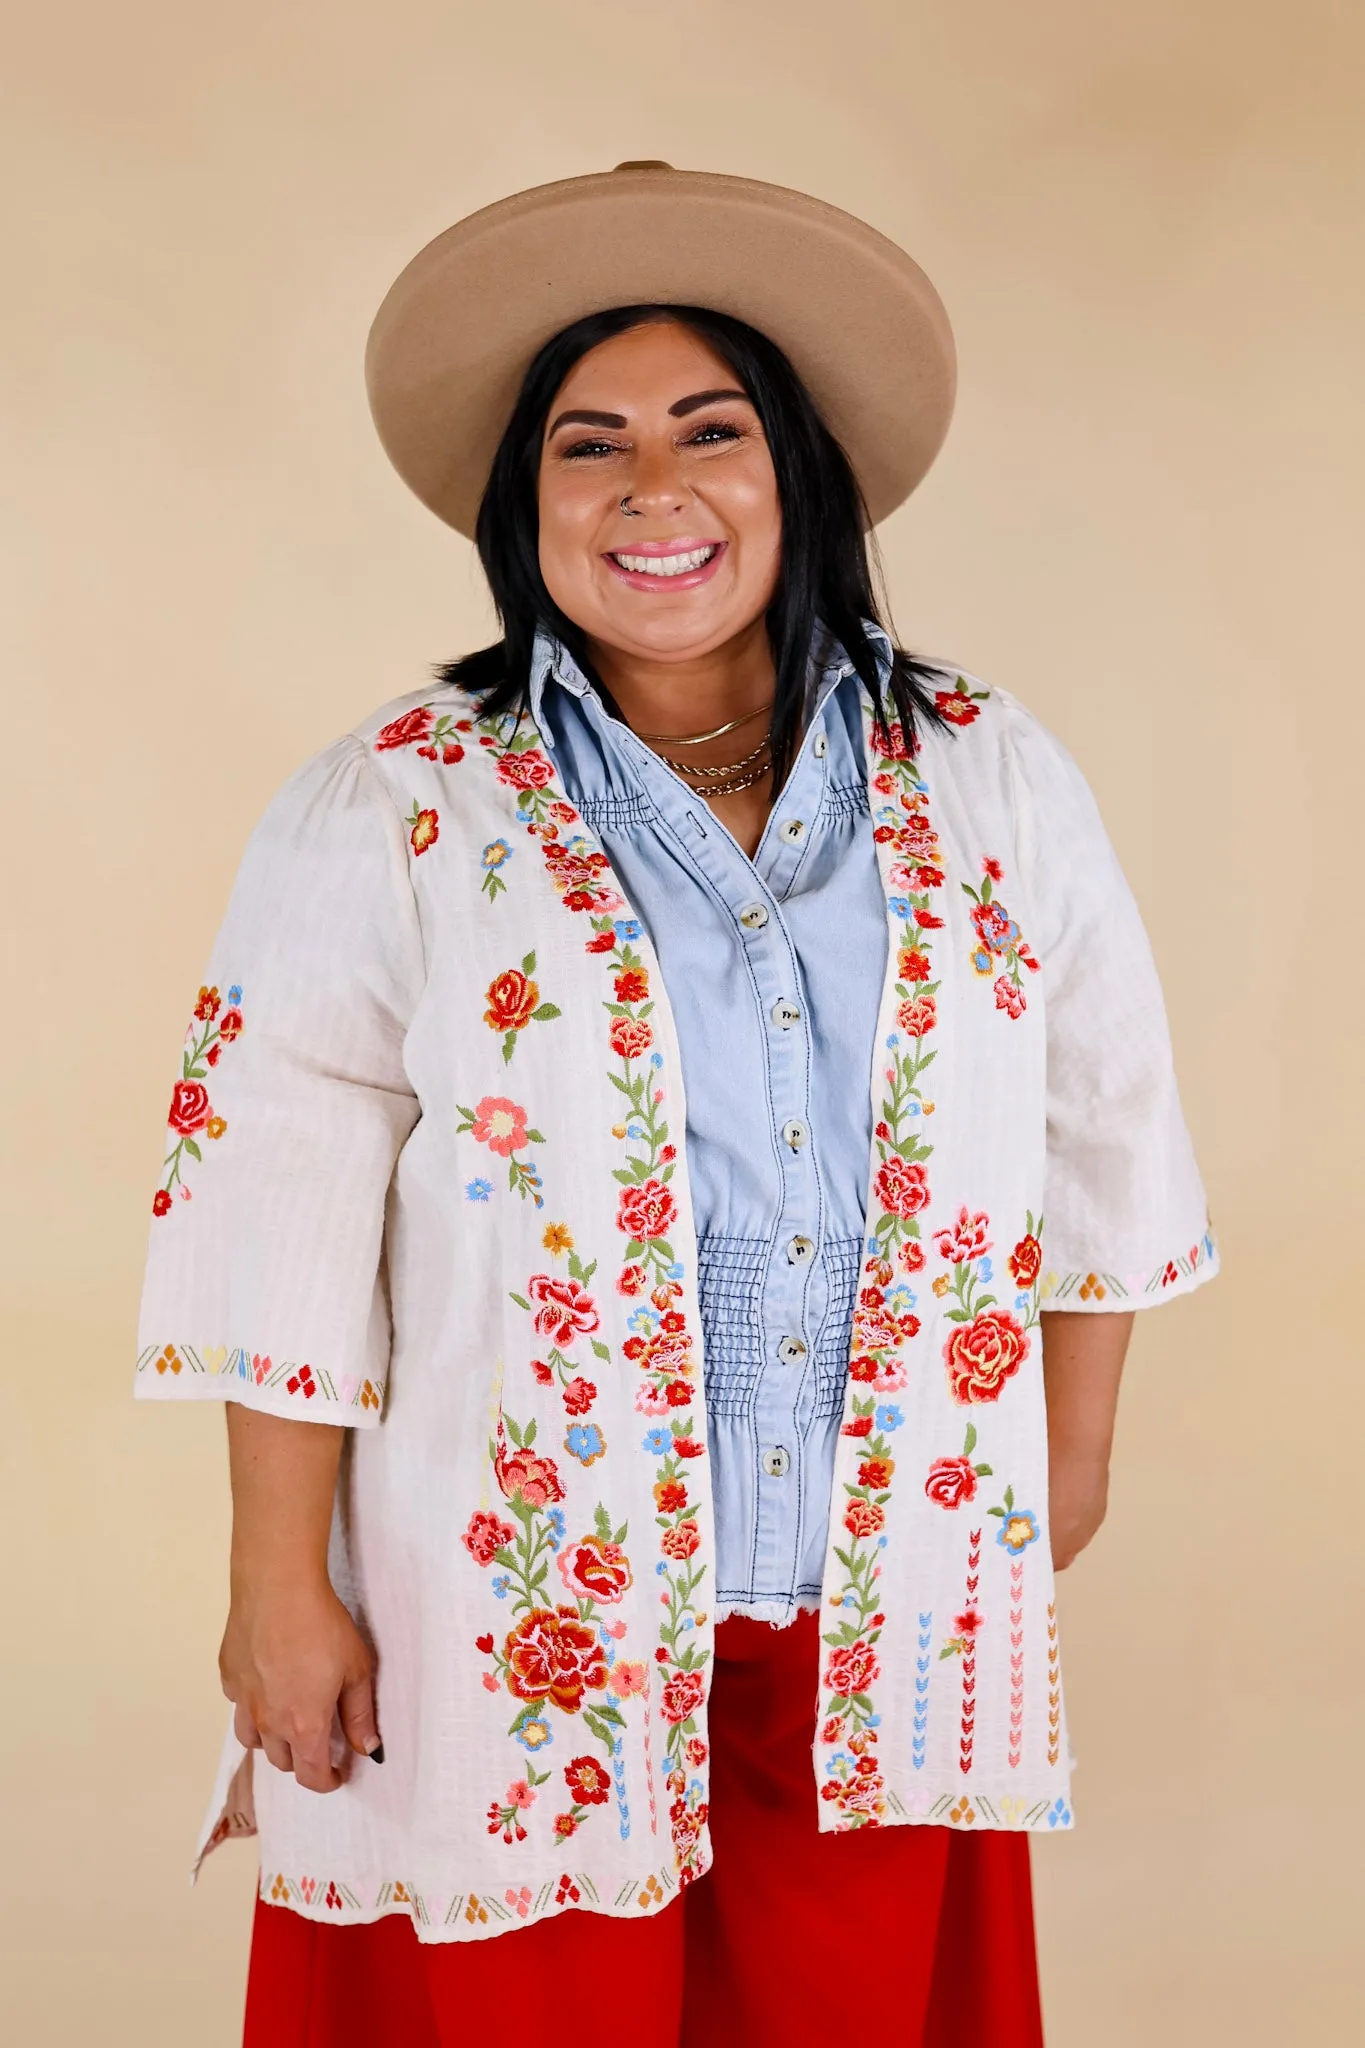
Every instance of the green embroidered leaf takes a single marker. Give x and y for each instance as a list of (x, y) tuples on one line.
[(509, 1046), (1009, 1497), (970, 1445), (543, 1014), (521, 1301), (996, 1511), (528, 965), (192, 1148), (535, 1137), (601, 1522), (513, 1431), (983, 1471), (602, 1350), (624, 1175), (529, 1435)]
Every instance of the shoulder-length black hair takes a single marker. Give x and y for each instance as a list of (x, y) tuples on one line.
[(825, 575)]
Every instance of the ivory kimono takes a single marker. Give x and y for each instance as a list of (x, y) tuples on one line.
[(427, 1177)]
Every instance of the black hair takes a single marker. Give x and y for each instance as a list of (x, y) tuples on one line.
[(825, 575)]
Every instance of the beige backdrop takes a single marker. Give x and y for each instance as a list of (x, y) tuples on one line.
[(1145, 220)]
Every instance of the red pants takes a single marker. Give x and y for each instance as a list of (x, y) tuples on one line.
[(907, 1937)]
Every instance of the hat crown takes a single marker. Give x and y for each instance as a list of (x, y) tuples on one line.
[(643, 163)]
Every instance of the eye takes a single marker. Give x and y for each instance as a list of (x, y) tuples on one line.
[(713, 433), (585, 451)]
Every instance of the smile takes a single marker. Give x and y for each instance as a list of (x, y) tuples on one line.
[(653, 566)]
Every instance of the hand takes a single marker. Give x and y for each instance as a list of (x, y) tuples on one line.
[(292, 1660), (1078, 1495)]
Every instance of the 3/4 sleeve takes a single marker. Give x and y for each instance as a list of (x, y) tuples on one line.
[(1125, 1219), (265, 1279)]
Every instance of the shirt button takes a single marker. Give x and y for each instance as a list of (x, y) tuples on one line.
[(821, 746), (794, 1133), (799, 1250), (785, 1013), (777, 1462), (755, 917), (791, 1351), (793, 830)]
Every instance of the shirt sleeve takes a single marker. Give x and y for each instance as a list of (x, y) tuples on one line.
[(265, 1276), (1125, 1220)]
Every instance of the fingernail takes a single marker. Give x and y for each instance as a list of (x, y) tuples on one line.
[(376, 1755)]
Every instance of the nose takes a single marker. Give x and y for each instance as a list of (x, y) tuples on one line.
[(656, 485)]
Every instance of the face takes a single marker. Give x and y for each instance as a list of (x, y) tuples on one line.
[(655, 417)]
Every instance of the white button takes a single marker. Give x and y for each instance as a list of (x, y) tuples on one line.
[(777, 1462), (799, 1250), (792, 830), (795, 1134), (755, 917), (785, 1013), (791, 1351), (820, 747)]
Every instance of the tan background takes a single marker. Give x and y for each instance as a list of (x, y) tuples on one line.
[(1145, 220)]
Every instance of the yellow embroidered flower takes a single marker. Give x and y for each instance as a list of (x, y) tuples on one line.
[(557, 1238), (215, 1127), (618, 1130), (942, 1284)]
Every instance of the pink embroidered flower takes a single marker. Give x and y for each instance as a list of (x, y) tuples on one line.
[(966, 1240), (918, 1017), (526, 1473), (1009, 997), (852, 1669), (630, 1037), (486, 1536), (407, 730), (627, 1679), (593, 1569), (565, 1310), (527, 770), (902, 1187), (500, 1124), (682, 1695), (646, 1211), (864, 1518), (951, 1481)]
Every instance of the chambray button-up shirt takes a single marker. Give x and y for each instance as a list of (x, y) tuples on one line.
[(773, 968)]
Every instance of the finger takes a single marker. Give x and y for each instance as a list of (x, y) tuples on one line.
[(278, 1752), (244, 1728), (358, 1723), (313, 1761)]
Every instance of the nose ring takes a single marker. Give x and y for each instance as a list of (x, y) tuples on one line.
[(627, 508)]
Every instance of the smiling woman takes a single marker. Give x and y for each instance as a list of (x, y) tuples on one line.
[(663, 1567)]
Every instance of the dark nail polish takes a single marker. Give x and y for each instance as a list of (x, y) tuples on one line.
[(377, 1753)]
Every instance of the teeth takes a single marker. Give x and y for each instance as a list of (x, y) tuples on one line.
[(666, 565)]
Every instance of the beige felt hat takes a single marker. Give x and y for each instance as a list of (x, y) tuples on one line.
[(860, 321)]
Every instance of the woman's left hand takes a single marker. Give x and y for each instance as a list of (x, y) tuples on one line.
[(1082, 1365), (1078, 1495)]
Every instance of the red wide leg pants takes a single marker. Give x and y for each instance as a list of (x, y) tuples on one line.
[(914, 1936)]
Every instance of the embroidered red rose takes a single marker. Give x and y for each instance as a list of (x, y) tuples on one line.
[(669, 1496), (1009, 997), (601, 942), (552, 1655), (230, 1026), (527, 770), (511, 999), (681, 1542), (982, 1354), (918, 1017), (876, 1473), (864, 1518), (1025, 1261), (852, 1668), (913, 965), (911, 1256), (632, 985), (951, 1481), (682, 1695), (957, 707), (928, 921), (688, 1447), (966, 1240), (161, 1202), (631, 1280), (902, 1187), (593, 1569), (565, 1309), (588, 1783), (579, 1395), (485, 1537), (646, 1211), (630, 1037), (407, 730), (525, 1472), (190, 1108), (861, 1425)]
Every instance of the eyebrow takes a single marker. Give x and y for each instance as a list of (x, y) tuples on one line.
[(617, 419)]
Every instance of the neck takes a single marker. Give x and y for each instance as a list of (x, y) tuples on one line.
[(694, 694)]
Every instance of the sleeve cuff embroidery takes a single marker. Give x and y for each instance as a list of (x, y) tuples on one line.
[(207, 1370), (1179, 1274)]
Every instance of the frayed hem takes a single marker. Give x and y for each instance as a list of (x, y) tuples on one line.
[(777, 1613)]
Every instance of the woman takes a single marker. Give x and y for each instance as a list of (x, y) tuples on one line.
[(688, 1529)]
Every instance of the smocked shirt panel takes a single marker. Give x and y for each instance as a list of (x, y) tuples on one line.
[(774, 969)]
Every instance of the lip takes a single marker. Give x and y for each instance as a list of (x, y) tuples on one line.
[(684, 544)]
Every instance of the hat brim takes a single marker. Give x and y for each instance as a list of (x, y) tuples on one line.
[(859, 320)]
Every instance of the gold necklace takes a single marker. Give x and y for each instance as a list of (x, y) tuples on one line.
[(699, 739), (727, 768)]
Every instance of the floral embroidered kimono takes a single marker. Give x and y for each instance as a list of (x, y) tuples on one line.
[(426, 1179)]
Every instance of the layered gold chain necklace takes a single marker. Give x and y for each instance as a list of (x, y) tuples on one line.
[(727, 778)]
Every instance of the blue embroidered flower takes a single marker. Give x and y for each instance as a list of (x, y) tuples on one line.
[(559, 1528), (893, 1040), (495, 853), (644, 1321), (585, 1442), (656, 1060), (1021, 1304), (658, 1441), (1018, 1529), (675, 1271), (502, 1585), (535, 1734), (899, 906), (889, 1418), (900, 1299), (478, 1190), (628, 928), (1059, 1814), (235, 993), (984, 1269), (983, 960)]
